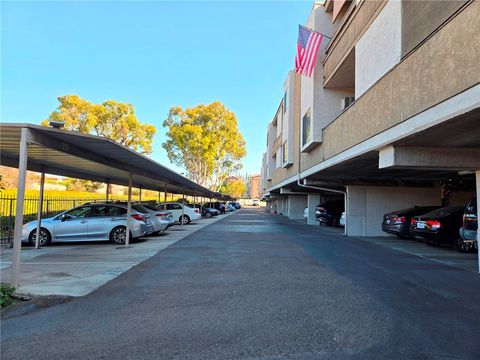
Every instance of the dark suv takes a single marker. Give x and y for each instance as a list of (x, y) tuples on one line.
[(468, 232), (329, 212)]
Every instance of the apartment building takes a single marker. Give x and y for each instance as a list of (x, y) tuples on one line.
[(389, 119)]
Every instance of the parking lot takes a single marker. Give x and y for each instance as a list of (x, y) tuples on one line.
[(76, 269)]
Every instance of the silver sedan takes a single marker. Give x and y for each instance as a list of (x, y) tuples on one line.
[(89, 222)]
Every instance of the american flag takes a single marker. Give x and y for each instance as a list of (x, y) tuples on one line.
[(307, 48)]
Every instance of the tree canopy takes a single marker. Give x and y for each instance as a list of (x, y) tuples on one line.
[(205, 141), (110, 119), (235, 189)]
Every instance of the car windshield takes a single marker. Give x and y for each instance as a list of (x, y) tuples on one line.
[(151, 207), (140, 208), (443, 211)]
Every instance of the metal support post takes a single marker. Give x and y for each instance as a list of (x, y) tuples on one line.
[(17, 235), (140, 195), (106, 191), (183, 209), (40, 207), (129, 209), (165, 198)]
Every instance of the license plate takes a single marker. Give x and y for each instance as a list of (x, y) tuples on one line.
[(420, 225)]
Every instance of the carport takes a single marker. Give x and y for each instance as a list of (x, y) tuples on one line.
[(408, 164), (73, 154)]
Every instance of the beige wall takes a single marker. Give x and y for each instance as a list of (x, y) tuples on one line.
[(421, 18), (445, 65)]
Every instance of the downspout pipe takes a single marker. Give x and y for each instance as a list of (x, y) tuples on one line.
[(299, 183)]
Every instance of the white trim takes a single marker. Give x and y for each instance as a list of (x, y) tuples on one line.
[(459, 104)]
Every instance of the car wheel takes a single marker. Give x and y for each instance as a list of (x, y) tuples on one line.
[(45, 237), (463, 246), (119, 235), (208, 215), (186, 219)]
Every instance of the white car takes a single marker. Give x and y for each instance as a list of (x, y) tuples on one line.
[(342, 219), (189, 214)]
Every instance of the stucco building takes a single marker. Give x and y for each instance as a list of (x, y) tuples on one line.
[(390, 115)]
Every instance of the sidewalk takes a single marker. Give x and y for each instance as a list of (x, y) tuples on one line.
[(76, 269)]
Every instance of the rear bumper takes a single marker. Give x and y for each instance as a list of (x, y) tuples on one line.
[(469, 236), (396, 229)]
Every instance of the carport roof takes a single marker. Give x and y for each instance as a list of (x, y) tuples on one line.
[(84, 156)]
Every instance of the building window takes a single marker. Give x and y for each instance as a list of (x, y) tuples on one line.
[(284, 153), (285, 102), (306, 128)]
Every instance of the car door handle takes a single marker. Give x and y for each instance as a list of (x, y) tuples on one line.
[(83, 221)]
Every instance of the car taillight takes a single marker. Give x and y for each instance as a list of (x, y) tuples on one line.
[(434, 224), (137, 217), (399, 219), (197, 211), (469, 217), (413, 221)]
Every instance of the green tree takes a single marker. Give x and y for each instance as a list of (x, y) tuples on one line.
[(111, 119), (82, 185), (235, 189), (205, 141)]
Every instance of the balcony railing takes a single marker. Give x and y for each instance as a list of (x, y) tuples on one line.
[(354, 23)]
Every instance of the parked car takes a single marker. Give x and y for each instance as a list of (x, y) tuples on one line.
[(439, 226), (90, 222), (216, 205), (343, 219), (467, 241), (206, 211), (229, 207), (398, 222), (234, 205), (255, 202), (189, 214), (161, 214), (329, 212)]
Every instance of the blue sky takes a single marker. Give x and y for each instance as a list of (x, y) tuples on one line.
[(153, 55)]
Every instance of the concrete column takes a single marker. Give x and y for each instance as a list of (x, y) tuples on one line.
[(312, 201), (477, 176), (296, 206), (366, 205)]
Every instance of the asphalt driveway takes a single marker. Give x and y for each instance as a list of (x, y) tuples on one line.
[(256, 286)]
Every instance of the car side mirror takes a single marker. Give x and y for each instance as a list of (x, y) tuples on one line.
[(65, 217)]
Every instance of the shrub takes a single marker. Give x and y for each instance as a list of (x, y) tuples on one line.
[(6, 292)]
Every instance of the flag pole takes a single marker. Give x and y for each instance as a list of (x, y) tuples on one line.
[(328, 37)]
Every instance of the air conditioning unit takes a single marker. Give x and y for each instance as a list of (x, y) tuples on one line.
[(348, 101)]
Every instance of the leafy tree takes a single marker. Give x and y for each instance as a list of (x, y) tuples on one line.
[(206, 142), (110, 119), (82, 185), (235, 189)]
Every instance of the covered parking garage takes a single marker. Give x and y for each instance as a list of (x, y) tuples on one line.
[(432, 158), (73, 154)]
